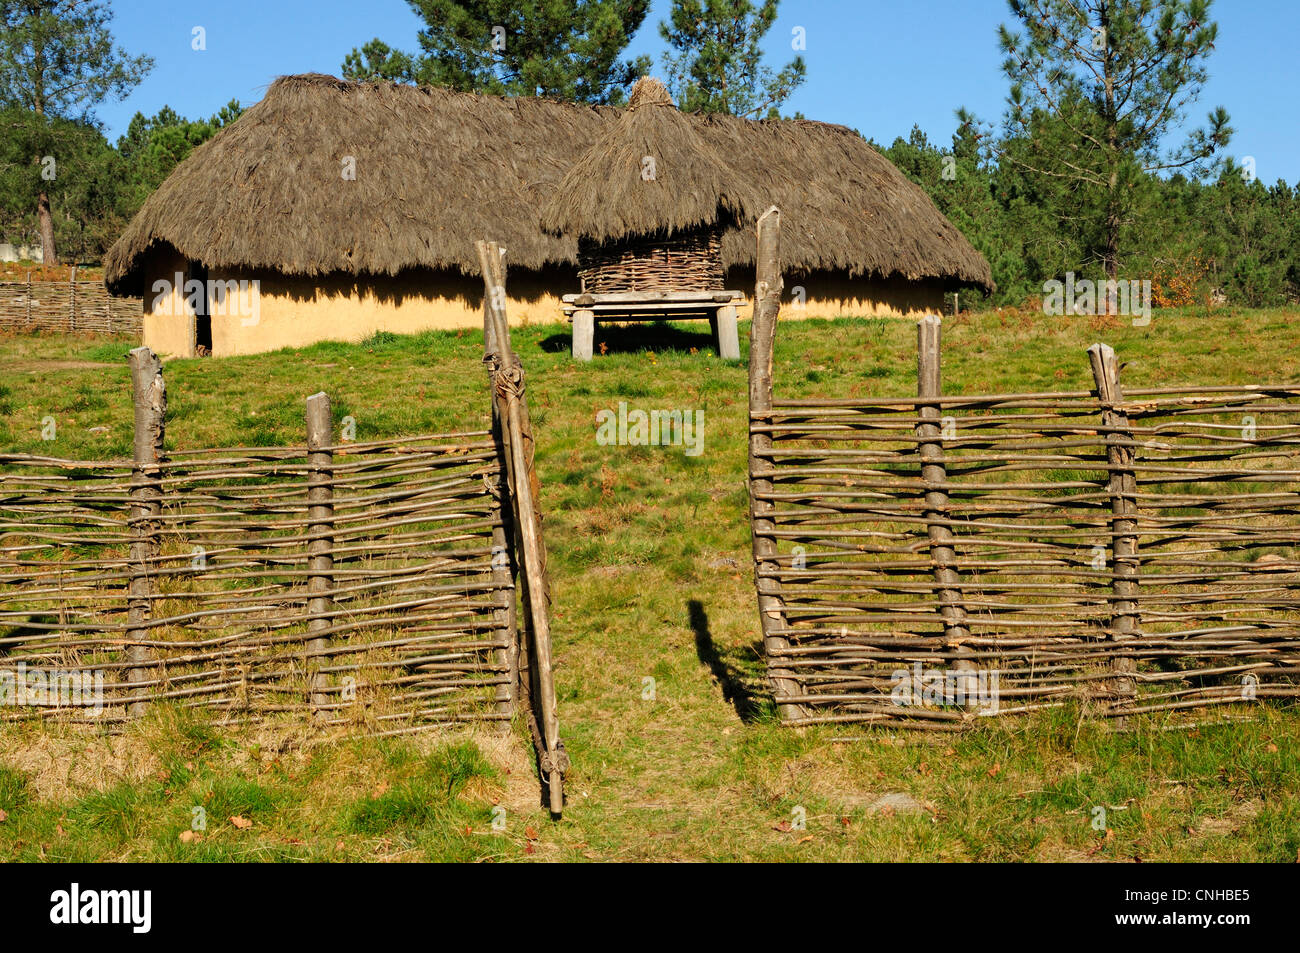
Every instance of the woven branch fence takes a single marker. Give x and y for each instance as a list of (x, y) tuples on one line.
[(365, 588), (928, 561), (77, 306)]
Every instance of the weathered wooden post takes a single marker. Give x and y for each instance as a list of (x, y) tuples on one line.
[(504, 567), (762, 340), (508, 391), (1125, 622), (727, 333), (934, 476), (149, 396), (320, 544), (584, 334)]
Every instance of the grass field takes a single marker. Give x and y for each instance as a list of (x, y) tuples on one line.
[(649, 554)]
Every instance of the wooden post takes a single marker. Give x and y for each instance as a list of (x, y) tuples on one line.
[(29, 296), (504, 577), (584, 334), (72, 298), (728, 336), (762, 339), (934, 474), (149, 396), (320, 546), (508, 391), (1125, 621)]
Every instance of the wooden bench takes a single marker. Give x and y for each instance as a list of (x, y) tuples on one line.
[(718, 306)]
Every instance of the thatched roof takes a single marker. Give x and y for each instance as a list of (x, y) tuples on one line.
[(436, 170), (651, 172)]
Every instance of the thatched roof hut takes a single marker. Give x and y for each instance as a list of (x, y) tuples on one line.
[(435, 170)]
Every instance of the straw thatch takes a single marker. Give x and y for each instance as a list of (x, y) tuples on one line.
[(437, 170), (651, 173)]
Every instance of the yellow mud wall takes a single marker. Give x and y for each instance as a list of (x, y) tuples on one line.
[(168, 325), (831, 295), (292, 311)]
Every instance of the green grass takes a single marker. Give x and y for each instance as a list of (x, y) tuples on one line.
[(649, 555)]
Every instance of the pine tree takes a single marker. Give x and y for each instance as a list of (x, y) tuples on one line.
[(565, 49), (57, 60), (1118, 76), (718, 66)]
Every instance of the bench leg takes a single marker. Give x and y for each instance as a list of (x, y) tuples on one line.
[(728, 335), (584, 334)]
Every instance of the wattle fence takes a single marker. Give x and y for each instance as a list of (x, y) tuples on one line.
[(72, 306), (355, 583), (930, 560)]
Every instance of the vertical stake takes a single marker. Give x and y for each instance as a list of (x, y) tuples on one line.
[(320, 545), (1125, 622), (934, 474), (149, 396)]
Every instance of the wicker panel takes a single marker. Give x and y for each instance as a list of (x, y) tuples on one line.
[(67, 306), (685, 262)]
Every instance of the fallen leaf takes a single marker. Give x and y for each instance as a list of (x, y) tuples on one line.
[(530, 833), (804, 840), (379, 790), (242, 823), (1271, 748), (3, 816), (528, 848), (993, 771), (783, 827), (189, 837)]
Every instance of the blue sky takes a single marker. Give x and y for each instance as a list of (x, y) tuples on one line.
[(880, 66)]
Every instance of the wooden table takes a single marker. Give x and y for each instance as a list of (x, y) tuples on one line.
[(718, 306)]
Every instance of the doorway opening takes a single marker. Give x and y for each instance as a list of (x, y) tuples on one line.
[(202, 312)]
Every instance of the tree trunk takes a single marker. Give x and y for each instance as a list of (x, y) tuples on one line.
[(48, 254), (1113, 216)]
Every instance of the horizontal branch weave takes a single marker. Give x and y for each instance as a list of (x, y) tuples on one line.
[(1030, 510)]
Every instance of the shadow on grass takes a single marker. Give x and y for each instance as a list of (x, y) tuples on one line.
[(636, 338), (735, 691)]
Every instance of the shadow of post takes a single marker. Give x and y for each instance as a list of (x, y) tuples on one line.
[(735, 691)]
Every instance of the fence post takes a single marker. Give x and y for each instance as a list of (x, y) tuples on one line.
[(934, 475), (149, 396), (762, 341), (503, 576), (1123, 501), (508, 390), (320, 545)]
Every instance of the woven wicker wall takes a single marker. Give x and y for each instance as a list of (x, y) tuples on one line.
[(686, 262), (67, 306)]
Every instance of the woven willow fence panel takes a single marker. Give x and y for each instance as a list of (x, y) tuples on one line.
[(411, 634), (929, 561), (1030, 511), (77, 306)]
